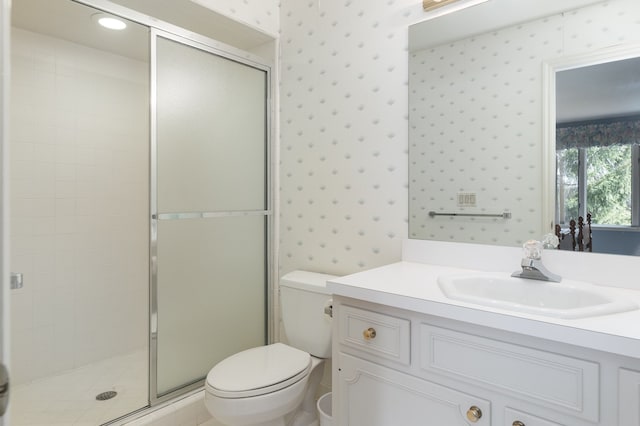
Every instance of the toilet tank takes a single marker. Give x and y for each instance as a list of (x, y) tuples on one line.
[(303, 297)]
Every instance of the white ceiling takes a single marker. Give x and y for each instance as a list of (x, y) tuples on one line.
[(69, 20), (598, 91), (199, 19), (481, 18), (72, 22)]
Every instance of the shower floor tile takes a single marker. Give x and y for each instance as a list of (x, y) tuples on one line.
[(70, 398)]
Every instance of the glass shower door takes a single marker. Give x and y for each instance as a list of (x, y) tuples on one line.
[(210, 213)]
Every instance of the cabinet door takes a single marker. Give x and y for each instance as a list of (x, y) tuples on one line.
[(629, 397), (563, 383), (517, 418), (373, 395)]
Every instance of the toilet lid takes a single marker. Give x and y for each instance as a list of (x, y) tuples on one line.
[(258, 371)]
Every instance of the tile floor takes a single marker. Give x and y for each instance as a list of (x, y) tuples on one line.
[(69, 398)]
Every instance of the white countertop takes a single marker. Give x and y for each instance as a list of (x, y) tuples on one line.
[(413, 286)]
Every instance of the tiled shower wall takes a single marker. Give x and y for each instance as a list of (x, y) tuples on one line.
[(79, 203)]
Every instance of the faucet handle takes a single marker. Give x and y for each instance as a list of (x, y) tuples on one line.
[(532, 249)]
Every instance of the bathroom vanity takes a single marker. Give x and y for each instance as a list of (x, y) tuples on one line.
[(404, 353)]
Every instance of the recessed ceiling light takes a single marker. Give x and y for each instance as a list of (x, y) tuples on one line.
[(108, 21)]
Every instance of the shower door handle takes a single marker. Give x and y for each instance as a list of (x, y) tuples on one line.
[(16, 280), (4, 389)]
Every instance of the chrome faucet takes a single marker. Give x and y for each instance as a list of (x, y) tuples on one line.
[(532, 267)]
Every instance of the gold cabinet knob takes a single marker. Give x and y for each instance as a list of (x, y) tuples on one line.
[(474, 414), (518, 423), (369, 333)]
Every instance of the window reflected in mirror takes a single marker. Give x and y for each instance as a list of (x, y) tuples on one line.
[(597, 139), (596, 179)]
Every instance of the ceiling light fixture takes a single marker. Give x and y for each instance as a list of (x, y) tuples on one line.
[(108, 21)]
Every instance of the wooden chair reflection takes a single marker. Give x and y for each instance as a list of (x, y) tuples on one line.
[(568, 239)]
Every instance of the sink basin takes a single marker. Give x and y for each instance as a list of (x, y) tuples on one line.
[(559, 300)]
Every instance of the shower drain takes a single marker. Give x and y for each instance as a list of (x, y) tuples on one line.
[(106, 395)]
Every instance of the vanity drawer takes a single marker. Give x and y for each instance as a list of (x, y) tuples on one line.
[(374, 395), (565, 384), (379, 334), (518, 418)]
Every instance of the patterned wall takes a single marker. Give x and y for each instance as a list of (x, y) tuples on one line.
[(343, 123), (343, 144), (476, 110), (476, 114)]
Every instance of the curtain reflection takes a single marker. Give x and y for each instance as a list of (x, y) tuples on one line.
[(598, 133)]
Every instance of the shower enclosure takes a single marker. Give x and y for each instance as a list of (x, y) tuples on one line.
[(140, 211), (209, 232)]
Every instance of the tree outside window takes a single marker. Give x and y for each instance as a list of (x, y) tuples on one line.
[(595, 171), (608, 180)]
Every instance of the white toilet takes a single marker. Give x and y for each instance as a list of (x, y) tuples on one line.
[(276, 385)]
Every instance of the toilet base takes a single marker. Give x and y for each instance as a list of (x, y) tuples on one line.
[(302, 418), (276, 422)]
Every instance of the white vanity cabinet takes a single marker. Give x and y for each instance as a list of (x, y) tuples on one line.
[(373, 394), (518, 418), (393, 367)]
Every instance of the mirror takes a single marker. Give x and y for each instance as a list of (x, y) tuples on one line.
[(594, 139), (480, 132)]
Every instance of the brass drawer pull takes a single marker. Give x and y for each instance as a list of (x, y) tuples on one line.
[(369, 333), (474, 414), (518, 423)]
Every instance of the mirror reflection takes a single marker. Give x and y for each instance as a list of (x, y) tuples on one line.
[(597, 136), (477, 128)]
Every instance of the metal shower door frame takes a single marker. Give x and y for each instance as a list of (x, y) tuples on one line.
[(181, 35), (156, 33)]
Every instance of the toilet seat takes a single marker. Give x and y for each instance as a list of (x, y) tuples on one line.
[(258, 371)]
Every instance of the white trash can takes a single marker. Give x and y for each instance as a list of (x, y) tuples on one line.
[(324, 410)]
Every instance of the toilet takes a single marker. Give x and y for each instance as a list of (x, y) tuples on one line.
[(276, 385)]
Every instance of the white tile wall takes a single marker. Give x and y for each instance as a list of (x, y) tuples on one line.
[(79, 202)]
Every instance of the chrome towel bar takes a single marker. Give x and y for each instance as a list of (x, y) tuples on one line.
[(504, 215)]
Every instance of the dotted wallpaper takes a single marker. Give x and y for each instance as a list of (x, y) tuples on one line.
[(476, 113), (343, 124), (262, 14)]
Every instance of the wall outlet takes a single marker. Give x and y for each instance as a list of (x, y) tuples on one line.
[(466, 199)]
